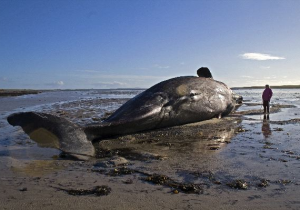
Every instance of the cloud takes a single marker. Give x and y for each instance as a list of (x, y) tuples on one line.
[(260, 56), (182, 63), (114, 84), (123, 77), (272, 77), (54, 84), (128, 81), (161, 67), (246, 77), (261, 81), (265, 67), (3, 79)]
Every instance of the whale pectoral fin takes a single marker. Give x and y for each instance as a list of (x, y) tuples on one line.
[(54, 132), (140, 109), (138, 120), (147, 120)]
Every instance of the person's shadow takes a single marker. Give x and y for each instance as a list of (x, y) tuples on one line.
[(265, 128)]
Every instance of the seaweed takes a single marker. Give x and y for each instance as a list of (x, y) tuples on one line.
[(98, 191), (167, 181), (238, 184), (263, 183)]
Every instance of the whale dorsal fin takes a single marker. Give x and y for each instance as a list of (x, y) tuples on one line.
[(204, 72)]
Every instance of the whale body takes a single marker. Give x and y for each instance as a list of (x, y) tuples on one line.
[(176, 101)]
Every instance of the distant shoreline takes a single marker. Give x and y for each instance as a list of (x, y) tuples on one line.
[(19, 92), (273, 87)]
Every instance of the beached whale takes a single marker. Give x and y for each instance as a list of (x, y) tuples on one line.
[(172, 102)]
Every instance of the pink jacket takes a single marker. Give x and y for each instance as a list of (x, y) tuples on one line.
[(267, 94)]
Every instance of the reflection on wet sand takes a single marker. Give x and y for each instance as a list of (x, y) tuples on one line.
[(266, 129), (38, 168), (193, 141)]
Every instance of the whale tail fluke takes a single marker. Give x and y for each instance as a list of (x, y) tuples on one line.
[(55, 132)]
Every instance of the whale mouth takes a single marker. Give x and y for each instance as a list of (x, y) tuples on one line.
[(238, 99)]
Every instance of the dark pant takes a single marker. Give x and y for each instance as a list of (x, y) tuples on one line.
[(266, 105)]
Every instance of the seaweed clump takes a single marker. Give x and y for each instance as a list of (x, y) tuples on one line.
[(120, 171), (283, 181), (263, 183), (98, 191), (167, 181), (238, 184)]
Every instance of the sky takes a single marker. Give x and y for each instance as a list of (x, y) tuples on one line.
[(75, 44)]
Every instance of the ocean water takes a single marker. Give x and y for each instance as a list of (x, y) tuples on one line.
[(280, 96), (14, 142)]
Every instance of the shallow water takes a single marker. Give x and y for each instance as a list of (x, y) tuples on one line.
[(51, 102), (95, 103), (282, 96)]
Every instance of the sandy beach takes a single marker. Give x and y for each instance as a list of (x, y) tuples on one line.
[(243, 161)]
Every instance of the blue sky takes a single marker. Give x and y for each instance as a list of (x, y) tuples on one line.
[(138, 43)]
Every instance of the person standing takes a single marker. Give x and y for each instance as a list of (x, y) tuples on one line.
[(266, 97)]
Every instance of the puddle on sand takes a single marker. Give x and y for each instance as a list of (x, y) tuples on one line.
[(38, 168), (167, 152), (247, 107), (28, 152), (284, 115)]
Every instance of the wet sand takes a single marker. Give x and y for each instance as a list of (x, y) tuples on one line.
[(242, 161)]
